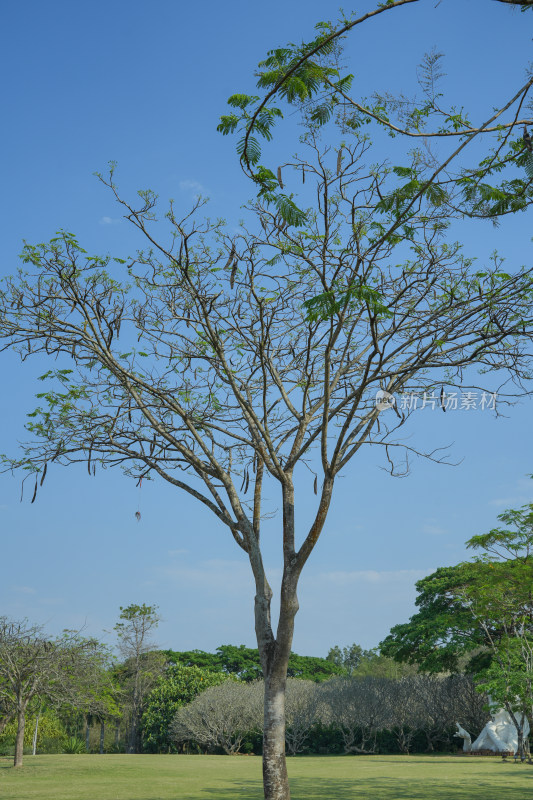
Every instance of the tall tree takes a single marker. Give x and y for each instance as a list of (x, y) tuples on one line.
[(143, 663), (249, 357)]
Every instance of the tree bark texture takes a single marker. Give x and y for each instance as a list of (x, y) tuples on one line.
[(19, 741)]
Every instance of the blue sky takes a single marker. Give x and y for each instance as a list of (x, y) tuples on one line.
[(145, 83)]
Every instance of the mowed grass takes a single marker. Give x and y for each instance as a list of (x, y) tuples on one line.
[(120, 777)]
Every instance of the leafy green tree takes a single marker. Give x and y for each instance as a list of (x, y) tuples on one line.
[(439, 636), (502, 606), (483, 608), (177, 686)]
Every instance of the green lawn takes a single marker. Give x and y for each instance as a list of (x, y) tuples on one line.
[(119, 777)]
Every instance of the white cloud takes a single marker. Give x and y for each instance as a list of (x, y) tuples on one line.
[(434, 530), (110, 220), (24, 589), (342, 578), (178, 552), (519, 496), (508, 502), (193, 186)]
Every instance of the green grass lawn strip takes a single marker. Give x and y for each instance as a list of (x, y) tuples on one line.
[(151, 777)]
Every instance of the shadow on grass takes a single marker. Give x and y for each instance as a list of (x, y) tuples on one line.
[(380, 788)]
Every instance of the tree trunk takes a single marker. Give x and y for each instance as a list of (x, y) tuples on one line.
[(35, 732), (19, 741), (117, 734), (275, 778), (133, 733), (102, 734), (87, 735)]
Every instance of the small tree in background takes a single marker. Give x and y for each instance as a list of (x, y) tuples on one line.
[(142, 666), (62, 669)]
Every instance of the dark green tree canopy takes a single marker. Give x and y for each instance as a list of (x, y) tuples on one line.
[(470, 608), (245, 663)]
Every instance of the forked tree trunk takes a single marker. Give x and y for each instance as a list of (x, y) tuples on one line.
[(19, 741), (275, 650)]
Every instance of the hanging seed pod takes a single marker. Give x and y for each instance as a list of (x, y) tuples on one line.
[(339, 161), (280, 180), (243, 482), (152, 445), (315, 485), (34, 491), (231, 257), (89, 460), (233, 271), (21, 491), (247, 482), (303, 175), (188, 319), (94, 470), (254, 460)]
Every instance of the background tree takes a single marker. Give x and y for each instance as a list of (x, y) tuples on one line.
[(354, 661), (221, 717), (176, 687), (347, 658), (501, 603), (245, 663), (143, 664), (359, 709), (302, 708), (34, 666), (483, 608)]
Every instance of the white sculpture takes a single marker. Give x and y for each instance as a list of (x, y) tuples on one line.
[(462, 734), (499, 735)]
